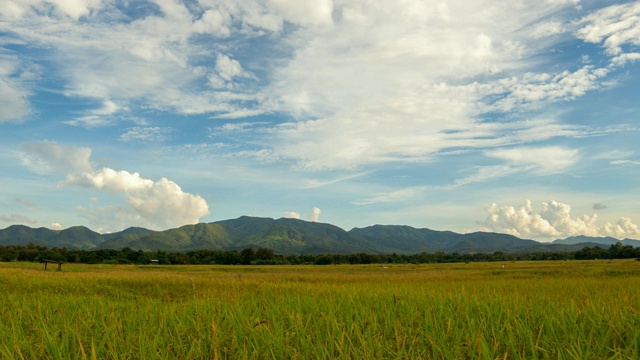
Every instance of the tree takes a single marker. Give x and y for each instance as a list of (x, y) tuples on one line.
[(264, 254), (247, 255)]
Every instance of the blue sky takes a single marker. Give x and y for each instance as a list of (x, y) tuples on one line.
[(519, 117)]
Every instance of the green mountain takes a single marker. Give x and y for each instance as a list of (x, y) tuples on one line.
[(410, 240), (600, 241), (128, 231), (188, 237), (76, 237), (284, 236), (293, 236), (406, 239)]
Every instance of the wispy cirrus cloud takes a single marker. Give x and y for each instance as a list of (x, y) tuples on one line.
[(15, 79), (17, 218), (146, 134)]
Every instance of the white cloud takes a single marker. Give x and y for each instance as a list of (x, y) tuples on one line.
[(613, 154), (158, 204), (554, 220), (486, 173), (161, 203), (548, 28), (535, 89), (47, 156), (315, 215), (56, 226), (366, 82), (213, 21), (14, 105), (143, 62), (305, 13), (625, 162), (228, 68), (291, 215), (76, 8), (623, 59), (14, 93), (102, 116), (388, 84), (544, 160), (145, 134), (613, 26), (16, 9), (372, 82), (392, 196)]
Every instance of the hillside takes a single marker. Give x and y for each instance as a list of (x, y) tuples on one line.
[(601, 241), (76, 237), (284, 236), (293, 236)]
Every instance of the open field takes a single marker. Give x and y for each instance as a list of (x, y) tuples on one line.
[(532, 310)]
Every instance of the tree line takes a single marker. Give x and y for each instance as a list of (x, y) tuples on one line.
[(265, 256)]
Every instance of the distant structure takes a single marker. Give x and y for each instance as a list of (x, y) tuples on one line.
[(45, 262), (155, 262)]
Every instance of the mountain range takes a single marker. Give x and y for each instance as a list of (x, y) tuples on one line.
[(293, 236)]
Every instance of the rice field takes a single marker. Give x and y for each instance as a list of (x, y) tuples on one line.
[(522, 310)]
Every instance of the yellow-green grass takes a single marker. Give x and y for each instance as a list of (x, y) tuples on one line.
[(532, 310)]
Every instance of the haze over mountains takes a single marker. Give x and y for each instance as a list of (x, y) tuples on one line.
[(293, 236)]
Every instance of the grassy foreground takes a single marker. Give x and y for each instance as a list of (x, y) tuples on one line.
[(532, 310)]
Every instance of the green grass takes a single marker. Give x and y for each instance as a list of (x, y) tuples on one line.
[(528, 310)]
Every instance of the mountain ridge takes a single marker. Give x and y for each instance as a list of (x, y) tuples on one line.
[(294, 236)]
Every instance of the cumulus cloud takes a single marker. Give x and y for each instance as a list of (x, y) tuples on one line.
[(623, 59), (56, 226), (553, 220), (315, 215), (292, 215), (157, 204), (613, 26), (161, 202)]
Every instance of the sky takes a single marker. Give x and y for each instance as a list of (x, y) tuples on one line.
[(519, 117)]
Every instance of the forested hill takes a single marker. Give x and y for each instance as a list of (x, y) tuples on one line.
[(293, 236)]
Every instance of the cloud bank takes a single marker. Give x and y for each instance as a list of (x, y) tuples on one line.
[(554, 220)]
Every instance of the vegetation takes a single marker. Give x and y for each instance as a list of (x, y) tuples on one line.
[(532, 310), (265, 256)]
